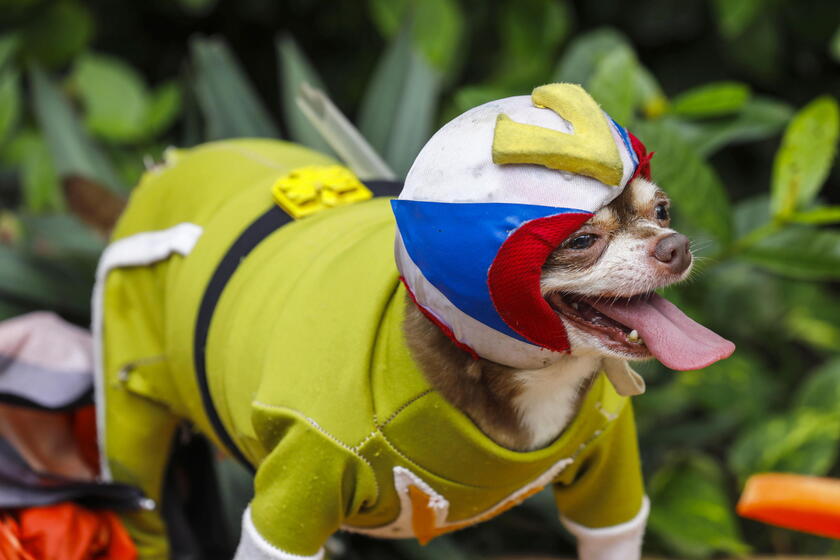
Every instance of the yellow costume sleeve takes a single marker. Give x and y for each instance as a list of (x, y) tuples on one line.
[(304, 488), (606, 488)]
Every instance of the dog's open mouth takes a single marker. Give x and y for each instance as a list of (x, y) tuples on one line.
[(642, 326)]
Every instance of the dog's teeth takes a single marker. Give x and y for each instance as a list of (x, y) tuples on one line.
[(575, 305), (634, 336)]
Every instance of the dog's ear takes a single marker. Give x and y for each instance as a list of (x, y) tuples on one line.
[(94, 204)]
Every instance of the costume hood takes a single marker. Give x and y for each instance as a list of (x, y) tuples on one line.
[(488, 199)]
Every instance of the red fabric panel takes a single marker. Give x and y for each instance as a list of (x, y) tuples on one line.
[(514, 279), (84, 432), (644, 157), (437, 322)]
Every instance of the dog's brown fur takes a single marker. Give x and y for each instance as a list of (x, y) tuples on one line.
[(485, 390)]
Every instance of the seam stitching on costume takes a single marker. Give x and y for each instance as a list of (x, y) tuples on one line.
[(610, 416), (366, 439), (420, 467), (403, 407), (324, 432)]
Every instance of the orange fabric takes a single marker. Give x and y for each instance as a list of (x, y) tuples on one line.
[(64, 531), (425, 525), (10, 547), (803, 503)]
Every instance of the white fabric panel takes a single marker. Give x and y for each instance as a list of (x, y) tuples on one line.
[(252, 546), (486, 341), (456, 164), (136, 250), (619, 542)]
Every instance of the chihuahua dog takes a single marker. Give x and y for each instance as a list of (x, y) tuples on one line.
[(626, 250), (409, 400)]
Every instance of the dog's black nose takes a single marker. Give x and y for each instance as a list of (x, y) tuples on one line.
[(672, 250)]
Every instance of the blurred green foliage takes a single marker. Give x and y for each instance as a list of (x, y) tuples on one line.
[(733, 95)]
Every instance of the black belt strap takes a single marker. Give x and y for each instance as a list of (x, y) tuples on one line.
[(262, 227)]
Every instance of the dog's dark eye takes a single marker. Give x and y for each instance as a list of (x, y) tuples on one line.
[(661, 212), (584, 241)]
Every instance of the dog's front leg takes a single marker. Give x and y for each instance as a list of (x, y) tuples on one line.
[(305, 488), (619, 542), (601, 494)]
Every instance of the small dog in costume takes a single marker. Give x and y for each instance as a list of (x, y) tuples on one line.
[(409, 398)]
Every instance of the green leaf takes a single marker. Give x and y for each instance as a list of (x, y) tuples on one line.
[(62, 235), (295, 70), (163, 107), (614, 85), (62, 30), (691, 512), (388, 16), (229, 103), (41, 189), (737, 385), (760, 118), (735, 15), (799, 252), (821, 390), (692, 184), (834, 45), (805, 157), (758, 48), (437, 26), (9, 43), (114, 97), (73, 151), (818, 216), (804, 326), (750, 214), (711, 100), (129, 161), (398, 109), (803, 441), (531, 30), (10, 110), (812, 315), (585, 52), (472, 96), (44, 284), (652, 99)]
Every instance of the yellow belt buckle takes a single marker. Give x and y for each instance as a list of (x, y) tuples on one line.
[(307, 190)]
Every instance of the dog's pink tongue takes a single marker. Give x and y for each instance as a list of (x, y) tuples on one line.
[(675, 340)]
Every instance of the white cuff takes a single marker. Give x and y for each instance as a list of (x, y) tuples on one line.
[(252, 546), (618, 542)]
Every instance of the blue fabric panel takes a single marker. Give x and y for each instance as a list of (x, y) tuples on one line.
[(454, 245), (624, 136)]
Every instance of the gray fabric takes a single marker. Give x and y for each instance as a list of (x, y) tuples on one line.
[(20, 486), (42, 387)]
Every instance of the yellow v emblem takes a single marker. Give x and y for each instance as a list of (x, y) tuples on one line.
[(590, 151)]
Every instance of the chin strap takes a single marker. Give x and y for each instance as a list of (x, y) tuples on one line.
[(627, 382)]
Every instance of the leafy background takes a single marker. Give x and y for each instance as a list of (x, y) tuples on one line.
[(733, 95)]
